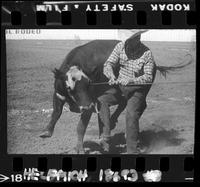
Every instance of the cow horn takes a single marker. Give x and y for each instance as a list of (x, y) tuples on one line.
[(60, 96)]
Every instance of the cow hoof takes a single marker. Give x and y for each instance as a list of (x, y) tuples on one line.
[(46, 134), (142, 149)]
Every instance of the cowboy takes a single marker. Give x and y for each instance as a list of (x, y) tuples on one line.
[(137, 67)]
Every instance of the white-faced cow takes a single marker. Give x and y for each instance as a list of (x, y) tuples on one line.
[(81, 67)]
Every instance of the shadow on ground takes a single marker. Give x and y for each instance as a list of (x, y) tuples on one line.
[(150, 141), (156, 141)]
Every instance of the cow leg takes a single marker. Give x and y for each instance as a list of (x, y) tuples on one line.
[(81, 128), (101, 125), (57, 111), (120, 108)]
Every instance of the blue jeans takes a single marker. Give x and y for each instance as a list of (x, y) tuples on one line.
[(110, 97), (135, 99)]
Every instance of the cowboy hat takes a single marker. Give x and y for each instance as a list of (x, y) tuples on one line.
[(137, 32), (124, 34)]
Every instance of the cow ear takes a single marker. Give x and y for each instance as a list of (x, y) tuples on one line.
[(55, 71), (57, 74)]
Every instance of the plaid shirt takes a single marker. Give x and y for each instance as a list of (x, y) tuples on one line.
[(139, 71)]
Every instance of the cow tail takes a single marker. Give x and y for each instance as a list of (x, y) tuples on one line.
[(164, 70)]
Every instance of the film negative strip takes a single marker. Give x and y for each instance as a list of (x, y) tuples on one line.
[(82, 99)]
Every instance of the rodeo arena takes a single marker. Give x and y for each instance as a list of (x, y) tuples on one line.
[(88, 91)]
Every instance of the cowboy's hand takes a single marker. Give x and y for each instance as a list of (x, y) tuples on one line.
[(112, 80), (124, 82)]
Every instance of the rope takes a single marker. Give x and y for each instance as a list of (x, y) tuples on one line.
[(106, 83)]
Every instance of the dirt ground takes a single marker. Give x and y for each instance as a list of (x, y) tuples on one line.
[(166, 127)]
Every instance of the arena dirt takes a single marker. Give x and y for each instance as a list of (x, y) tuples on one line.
[(166, 127)]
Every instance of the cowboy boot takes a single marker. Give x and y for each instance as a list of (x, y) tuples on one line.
[(105, 143)]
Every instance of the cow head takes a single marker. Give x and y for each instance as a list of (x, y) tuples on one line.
[(75, 85)]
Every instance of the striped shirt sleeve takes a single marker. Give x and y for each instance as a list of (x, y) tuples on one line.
[(112, 60), (149, 67)]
